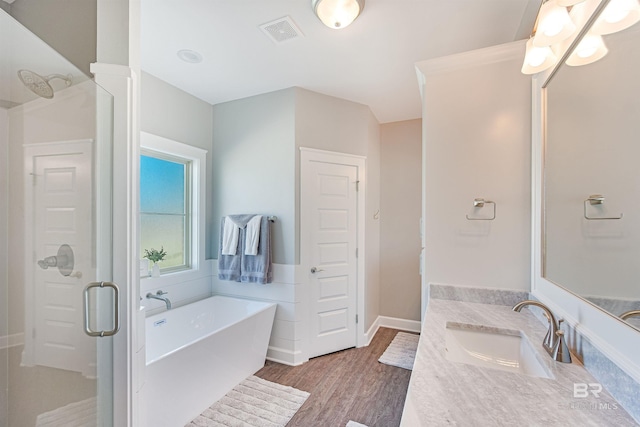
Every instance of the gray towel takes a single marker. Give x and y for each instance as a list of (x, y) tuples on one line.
[(247, 268)]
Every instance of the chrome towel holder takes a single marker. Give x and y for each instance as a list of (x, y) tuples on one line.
[(594, 200), (479, 203)]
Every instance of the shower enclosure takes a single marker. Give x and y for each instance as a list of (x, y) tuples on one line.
[(58, 308)]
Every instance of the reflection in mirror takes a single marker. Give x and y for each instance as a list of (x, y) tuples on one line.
[(592, 182)]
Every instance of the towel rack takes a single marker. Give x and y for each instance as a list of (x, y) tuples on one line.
[(479, 203), (596, 199), (272, 218)]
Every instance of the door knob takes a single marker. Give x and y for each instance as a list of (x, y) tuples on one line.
[(316, 270)]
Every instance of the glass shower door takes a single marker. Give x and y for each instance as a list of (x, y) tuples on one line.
[(58, 308)]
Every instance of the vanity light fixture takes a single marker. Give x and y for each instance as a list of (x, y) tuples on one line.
[(337, 14), (617, 16), (537, 59), (553, 24), (567, 3), (590, 49)]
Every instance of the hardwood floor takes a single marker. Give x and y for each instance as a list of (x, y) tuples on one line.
[(346, 385)]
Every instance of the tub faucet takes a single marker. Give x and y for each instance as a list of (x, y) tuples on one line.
[(630, 313), (158, 296), (554, 342)]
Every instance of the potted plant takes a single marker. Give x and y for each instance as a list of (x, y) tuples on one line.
[(155, 256)]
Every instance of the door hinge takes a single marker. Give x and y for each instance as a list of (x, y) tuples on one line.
[(356, 318), (357, 185)]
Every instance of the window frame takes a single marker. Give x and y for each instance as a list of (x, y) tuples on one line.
[(195, 196)]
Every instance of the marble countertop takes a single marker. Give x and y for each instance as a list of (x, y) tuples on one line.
[(442, 392)]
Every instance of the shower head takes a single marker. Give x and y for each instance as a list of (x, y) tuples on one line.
[(40, 85)]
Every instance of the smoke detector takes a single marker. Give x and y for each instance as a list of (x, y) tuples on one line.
[(281, 30)]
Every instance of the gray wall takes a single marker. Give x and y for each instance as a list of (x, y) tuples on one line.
[(334, 124), (400, 193), (4, 300), (69, 26), (254, 166), (171, 113), (257, 165)]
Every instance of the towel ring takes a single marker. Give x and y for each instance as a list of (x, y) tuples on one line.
[(596, 199), (479, 203)]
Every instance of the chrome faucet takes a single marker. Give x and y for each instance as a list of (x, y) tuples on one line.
[(630, 313), (158, 296), (554, 342)]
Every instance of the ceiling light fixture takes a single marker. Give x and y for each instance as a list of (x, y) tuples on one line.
[(190, 56), (337, 14)]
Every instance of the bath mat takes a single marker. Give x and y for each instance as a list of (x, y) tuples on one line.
[(354, 424), (254, 402), (81, 413), (402, 351)]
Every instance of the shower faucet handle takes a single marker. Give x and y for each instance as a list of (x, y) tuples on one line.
[(161, 292)]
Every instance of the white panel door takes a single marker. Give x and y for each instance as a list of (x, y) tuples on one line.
[(62, 214), (330, 193)]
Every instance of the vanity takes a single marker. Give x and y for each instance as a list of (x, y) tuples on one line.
[(446, 391), (584, 231)]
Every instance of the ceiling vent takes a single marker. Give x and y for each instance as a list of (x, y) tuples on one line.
[(281, 30)]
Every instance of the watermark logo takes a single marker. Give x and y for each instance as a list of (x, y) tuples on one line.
[(582, 390)]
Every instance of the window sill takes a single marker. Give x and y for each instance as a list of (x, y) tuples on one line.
[(148, 283)]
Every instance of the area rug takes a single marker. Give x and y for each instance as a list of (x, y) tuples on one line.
[(354, 424), (81, 413), (254, 402), (402, 351)]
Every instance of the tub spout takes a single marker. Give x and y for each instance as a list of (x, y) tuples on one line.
[(158, 296)]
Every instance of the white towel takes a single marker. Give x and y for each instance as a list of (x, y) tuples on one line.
[(252, 236), (230, 237)]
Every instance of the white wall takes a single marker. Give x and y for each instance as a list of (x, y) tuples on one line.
[(400, 211), (476, 130)]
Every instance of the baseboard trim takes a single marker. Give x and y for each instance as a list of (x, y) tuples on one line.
[(13, 340), (393, 323), (285, 357)]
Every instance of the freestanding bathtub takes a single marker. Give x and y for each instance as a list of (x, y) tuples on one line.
[(198, 352)]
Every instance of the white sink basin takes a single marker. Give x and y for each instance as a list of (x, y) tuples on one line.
[(503, 349)]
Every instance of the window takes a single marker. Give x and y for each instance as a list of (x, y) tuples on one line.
[(164, 208), (172, 202)]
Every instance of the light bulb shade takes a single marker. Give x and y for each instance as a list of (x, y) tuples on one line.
[(567, 3), (554, 24), (618, 15), (590, 49), (337, 14), (537, 59)]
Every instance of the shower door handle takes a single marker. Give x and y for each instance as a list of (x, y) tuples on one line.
[(116, 310)]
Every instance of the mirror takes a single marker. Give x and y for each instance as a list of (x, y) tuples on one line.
[(592, 179)]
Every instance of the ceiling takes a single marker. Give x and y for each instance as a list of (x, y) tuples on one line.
[(369, 62)]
